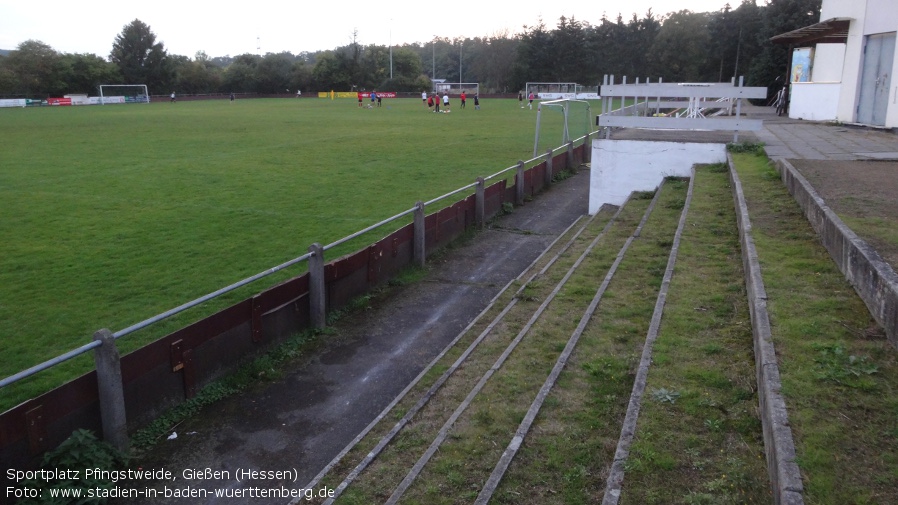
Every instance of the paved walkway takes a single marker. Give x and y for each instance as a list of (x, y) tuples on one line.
[(305, 419), (796, 139)]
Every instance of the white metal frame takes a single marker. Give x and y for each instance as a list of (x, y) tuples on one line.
[(658, 96), (565, 105)]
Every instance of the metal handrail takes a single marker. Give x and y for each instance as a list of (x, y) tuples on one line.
[(181, 308), (198, 301)]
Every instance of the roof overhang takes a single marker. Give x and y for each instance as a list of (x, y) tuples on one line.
[(831, 31)]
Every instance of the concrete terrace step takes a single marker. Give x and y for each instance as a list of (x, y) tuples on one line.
[(836, 370), (473, 417), (698, 436)]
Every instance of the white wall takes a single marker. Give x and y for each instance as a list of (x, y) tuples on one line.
[(882, 16), (814, 101), (828, 59), (868, 17), (620, 167)]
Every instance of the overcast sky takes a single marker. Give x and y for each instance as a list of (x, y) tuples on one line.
[(232, 28)]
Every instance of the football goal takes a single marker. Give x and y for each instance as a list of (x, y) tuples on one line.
[(123, 93), (564, 120), (559, 90), (455, 88)]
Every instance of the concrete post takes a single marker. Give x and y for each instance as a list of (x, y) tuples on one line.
[(587, 148), (571, 166), (519, 185), (110, 391), (548, 175), (419, 252), (317, 309), (480, 204)]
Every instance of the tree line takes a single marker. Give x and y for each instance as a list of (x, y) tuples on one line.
[(679, 46)]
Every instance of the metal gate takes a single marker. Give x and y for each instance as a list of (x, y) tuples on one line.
[(876, 79)]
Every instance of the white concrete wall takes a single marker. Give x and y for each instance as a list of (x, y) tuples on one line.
[(620, 167), (814, 101), (842, 9), (851, 66), (828, 59), (882, 17), (868, 17)]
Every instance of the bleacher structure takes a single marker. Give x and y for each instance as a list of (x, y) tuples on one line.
[(680, 106)]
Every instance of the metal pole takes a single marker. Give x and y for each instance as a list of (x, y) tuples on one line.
[(570, 158), (566, 135), (391, 49), (418, 251), (480, 204), (738, 112), (608, 108), (539, 111), (317, 303), (547, 178), (461, 46)]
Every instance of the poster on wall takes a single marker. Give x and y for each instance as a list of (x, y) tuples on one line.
[(801, 64)]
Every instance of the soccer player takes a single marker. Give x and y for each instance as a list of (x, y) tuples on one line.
[(463, 97)]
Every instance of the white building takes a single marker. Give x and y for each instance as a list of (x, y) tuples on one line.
[(851, 55)]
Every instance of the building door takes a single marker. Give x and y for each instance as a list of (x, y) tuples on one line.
[(876, 79)]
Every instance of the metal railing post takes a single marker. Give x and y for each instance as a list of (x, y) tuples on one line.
[(519, 185), (110, 391), (317, 308), (587, 148), (480, 203), (419, 252), (571, 166)]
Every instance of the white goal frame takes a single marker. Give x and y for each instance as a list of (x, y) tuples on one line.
[(107, 98), (560, 90), (565, 106)]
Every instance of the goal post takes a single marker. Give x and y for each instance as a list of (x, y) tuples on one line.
[(564, 118), (559, 90), (123, 93)]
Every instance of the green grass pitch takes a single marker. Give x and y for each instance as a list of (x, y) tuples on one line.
[(113, 214)]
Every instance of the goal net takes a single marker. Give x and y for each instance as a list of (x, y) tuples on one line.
[(559, 122), (123, 93), (455, 88)]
